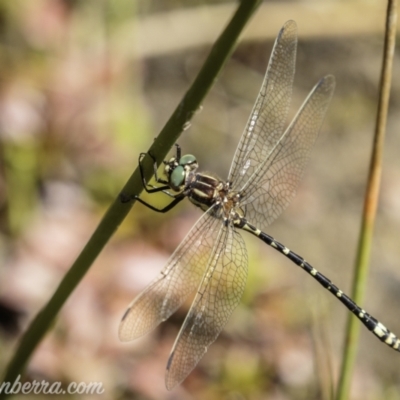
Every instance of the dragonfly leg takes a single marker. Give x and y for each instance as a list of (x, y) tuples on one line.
[(146, 186), (178, 198), (178, 152)]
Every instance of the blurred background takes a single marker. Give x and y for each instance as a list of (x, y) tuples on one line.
[(85, 86)]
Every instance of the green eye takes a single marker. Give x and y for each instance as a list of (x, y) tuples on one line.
[(187, 159), (177, 177)]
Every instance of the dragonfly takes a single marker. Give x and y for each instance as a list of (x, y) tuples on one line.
[(212, 259)]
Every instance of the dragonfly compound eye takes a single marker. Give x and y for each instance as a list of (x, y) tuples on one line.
[(177, 178), (187, 160)]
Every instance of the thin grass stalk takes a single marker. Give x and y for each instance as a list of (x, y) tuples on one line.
[(370, 204), (118, 210)]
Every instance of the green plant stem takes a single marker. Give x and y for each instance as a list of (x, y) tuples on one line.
[(370, 204), (118, 210)]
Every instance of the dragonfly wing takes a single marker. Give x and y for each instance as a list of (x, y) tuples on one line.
[(269, 114), (218, 295), (180, 277), (274, 184)]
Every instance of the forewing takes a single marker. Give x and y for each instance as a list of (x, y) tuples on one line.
[(218, 295), (269, 114), (180, 277), (274, 184)]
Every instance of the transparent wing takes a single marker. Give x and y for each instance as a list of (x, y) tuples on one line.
[(218, 295), (180, 277), (274, 183), (269, 114)]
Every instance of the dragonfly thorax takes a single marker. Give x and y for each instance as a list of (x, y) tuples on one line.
[(206, 190)]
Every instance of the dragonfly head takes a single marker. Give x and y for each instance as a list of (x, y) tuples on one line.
[(177, 170)]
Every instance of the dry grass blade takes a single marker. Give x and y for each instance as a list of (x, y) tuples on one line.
[(370, 202)]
